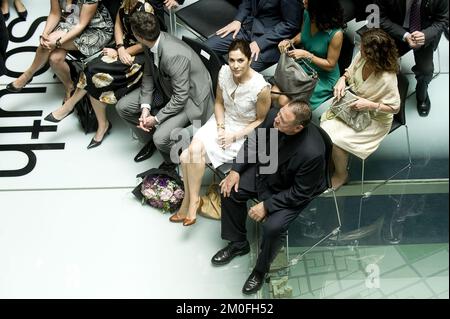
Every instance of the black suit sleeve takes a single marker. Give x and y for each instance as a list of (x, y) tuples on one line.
[(289, 24), (439, 18), (244, 10), (396, 30), (302, 191)]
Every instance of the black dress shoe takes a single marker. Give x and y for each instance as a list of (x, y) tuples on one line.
[(253, 283), (95, 143), (423, 107), (51, 118), (11, 88), (146, 152), (225, 255)]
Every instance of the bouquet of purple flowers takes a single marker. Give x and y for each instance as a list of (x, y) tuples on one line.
[(162, 191)]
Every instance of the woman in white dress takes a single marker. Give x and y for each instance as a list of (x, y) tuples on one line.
[(242, 102)]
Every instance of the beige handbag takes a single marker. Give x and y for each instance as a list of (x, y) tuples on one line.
[(211, 202), (357, 120)]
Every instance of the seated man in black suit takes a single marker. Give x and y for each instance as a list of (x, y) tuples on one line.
[(416, 25), (283, 191), (263, 23)]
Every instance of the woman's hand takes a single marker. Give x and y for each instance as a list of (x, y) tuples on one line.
[(284, 45), (110, 52), (339, 89), (362, 105), (298, 54), (43, 40), (125, 57), (225, 139)]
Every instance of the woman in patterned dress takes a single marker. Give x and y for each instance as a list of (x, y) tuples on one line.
[(111, 76), (242, 103), (83, 25)]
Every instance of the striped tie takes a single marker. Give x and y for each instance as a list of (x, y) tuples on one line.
[(414, 17)]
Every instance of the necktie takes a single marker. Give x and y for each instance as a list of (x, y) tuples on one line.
[(414, 17)]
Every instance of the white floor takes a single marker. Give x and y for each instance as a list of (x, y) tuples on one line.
[(72, 229)]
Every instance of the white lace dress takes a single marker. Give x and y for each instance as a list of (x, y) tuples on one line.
[(240, 111)]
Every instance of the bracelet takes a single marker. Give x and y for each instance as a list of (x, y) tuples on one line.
[(310, 57), (58, 43), (118, 46), (220, 125)]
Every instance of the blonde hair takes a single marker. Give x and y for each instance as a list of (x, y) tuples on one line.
[(129, 4)]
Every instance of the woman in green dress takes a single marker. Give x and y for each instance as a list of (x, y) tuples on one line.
[(321, 40)]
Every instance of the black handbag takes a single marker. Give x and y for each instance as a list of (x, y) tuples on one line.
[(293, 81), (86, 115)]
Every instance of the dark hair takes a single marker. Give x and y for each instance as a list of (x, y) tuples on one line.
[(302, 112), (326, 14), (242, 46), (380, 50), (145, 25)]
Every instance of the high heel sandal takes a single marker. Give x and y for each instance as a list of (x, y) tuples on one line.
[(188, 221)]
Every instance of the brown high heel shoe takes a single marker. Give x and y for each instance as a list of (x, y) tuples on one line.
[(175, 218), (188, 221)]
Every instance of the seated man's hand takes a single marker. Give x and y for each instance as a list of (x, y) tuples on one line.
[(227, 184), (418, 37), (170, 4), (254, 47), (257, 212), (412, 44), (145, 120), (234, 27)]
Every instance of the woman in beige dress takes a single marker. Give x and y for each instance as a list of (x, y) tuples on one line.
[(372, 77)]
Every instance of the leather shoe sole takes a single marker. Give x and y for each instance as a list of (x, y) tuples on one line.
[(227, 254)]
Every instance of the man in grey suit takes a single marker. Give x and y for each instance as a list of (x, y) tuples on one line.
[(176, 89)]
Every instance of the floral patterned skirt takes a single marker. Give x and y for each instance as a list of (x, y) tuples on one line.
[(108, 80)]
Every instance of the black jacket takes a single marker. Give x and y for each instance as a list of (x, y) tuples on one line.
[(269, 22), (300, 172), (434, 14)]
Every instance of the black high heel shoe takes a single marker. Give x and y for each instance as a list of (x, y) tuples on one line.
[(6, 16), (51, 118), (95, 143), (11, 88), (22, 15)]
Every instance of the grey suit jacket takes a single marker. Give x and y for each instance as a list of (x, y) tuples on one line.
[(183, 77)]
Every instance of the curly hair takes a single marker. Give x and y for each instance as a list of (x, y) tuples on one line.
[(380, 50), (327, 14)]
